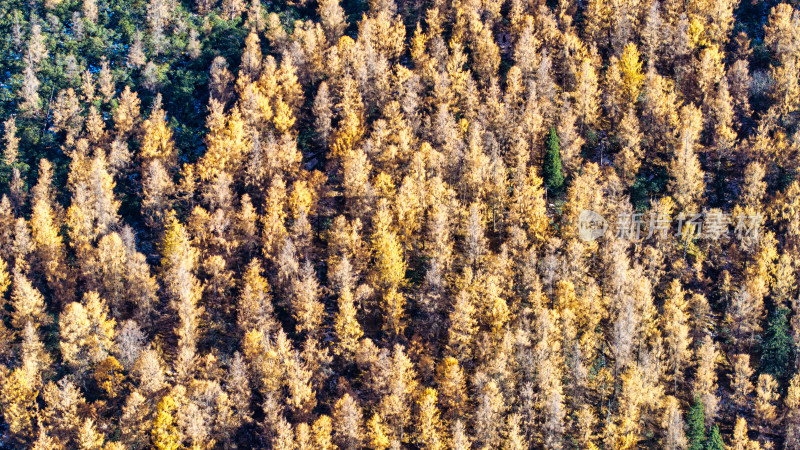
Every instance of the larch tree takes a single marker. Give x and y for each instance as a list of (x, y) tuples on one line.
[(705, 381), (745, 311), (227, 144), (660, 106), (322, 429), (528, 207), (624, 430), (348, 330), (546, 87), (570, 140), (614, 91), (142, 285), (630, 155), (333, 19), (429, 426), (11, 141), (220, 80), (348, 418), (323, 112), (487, 415), (106, 81), (251, 58), (136, 55), (29, 92), (50, 249), (306, 306), (377, 434), (515, 440), (149, 371), (766, 399), (179, 263), (95, 127), (390, 268), (740, 441), (5, 333), (740, 382), (128, 114), (587, 95), (676, 330), (27, 304), (36, 359), (18, 398), (22, 246), (302, 398), (133, 424), (62, 400), (130, 342), (463, 327), (239, 390), (686, 177), (674, 436), (474, 235), (87, 334), (159, 15), (461, 441), (164, 432), (397, 382), (255, 309), (452, 387), (722, 107), (630, 67), (351, 120)]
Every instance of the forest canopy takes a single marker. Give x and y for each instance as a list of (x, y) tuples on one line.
[(323, 224)]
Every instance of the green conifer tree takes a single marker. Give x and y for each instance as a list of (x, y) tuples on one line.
[(777, 345), (695, 424), (553, 176), (714, 441)]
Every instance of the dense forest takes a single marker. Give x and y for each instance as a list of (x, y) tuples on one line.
[(421, 224)]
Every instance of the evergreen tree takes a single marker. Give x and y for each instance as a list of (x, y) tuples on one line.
[(714, 441), (553, 177), (777, 346), (695, 426)]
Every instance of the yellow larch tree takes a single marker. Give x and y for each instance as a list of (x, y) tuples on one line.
[(164, 432), (157, 140), (528, 207), (686, 183), (128, 114), (87, 334), (27, 304), (351, 122), (630, 65), (390, 269), (348, 330), (179, 263), (676, 330), (227, 144), (429, 426), (705, 380), (45, 226)]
